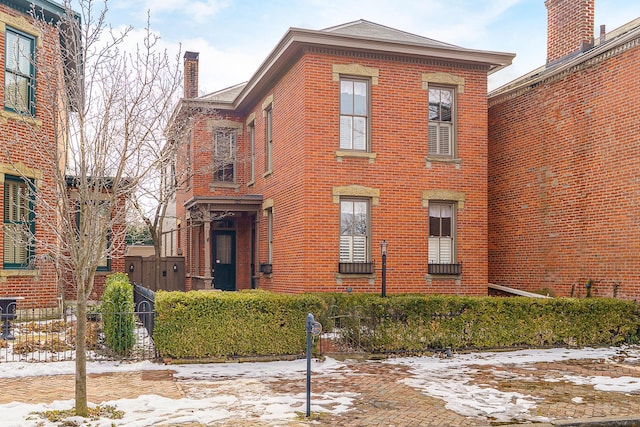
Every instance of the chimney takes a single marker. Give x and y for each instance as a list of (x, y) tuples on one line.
[(569, 27), (191, 74)]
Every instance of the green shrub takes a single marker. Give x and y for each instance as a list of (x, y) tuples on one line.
[(118, 314), (414, 323), (258, 323), (230, 324)]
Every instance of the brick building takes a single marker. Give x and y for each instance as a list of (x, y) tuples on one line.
[(564, 163), (343, 138), (28, 171)]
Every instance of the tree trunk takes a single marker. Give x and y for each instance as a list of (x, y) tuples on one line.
[(81, 354)]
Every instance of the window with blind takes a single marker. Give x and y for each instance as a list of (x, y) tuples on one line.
[(19, 72), (441, 233), (354, 114), (354, 231), (441, 122), (19, 223)]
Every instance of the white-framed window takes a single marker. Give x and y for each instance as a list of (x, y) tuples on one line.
[(354, 114), (442, 232), (441, 133), (355, 233), (224, 155)]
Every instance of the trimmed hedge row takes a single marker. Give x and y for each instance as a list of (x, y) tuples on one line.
[(258, 323), (229, 324), (417, 323)]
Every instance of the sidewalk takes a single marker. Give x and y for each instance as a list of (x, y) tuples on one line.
[(379, 393)]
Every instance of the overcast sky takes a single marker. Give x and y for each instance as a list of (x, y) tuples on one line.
[(233, 37)]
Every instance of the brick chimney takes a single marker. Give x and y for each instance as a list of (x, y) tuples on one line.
[(569, 27), (191, 74)]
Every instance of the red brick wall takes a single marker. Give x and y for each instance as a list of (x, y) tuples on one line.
[(569, 23), (305, 169), (564, 192), (306, 221), (39, 286)]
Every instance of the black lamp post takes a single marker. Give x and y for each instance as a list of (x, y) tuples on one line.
[(383, 252)]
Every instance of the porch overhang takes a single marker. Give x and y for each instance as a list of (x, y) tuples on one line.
[(245, 203)]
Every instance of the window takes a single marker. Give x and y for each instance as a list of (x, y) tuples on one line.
[(441, 121), (19, 222), (103, 216), (354, 231), (252, 152), (104, 263), (354, 112), (268, 139), (19, 72), (441, 233), (224, 155), (269, 236)]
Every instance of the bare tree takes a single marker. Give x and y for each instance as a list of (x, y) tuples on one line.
[(107, 102)]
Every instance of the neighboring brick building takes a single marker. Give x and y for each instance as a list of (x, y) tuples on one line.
[(28, 171), (564, 163), (342, 139)]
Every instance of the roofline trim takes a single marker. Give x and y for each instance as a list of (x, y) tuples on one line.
[(541, 73)]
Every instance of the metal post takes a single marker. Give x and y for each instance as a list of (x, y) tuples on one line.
[(383, 252), (309, 327), (384, 275)]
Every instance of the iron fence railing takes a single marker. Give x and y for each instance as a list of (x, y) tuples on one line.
[(47, 334), (450, 269), (145, 302), (356, 267)]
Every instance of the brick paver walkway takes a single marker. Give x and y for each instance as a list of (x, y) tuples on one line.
[(380, 398)]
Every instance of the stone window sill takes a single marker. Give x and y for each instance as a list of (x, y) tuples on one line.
[(231, 185), (435, 159), (267, 173), (340, 154), (5, 116), (18, 273)]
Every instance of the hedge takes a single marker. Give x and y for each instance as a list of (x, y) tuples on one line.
[(414, 323), (257, 323), (229, 324)]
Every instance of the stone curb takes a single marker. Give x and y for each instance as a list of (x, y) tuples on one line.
[(629, 421)]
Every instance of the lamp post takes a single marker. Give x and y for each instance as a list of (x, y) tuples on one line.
[(383, 252)]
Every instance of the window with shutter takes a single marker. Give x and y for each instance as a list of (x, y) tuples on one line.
[(441, 122), (354, 231), (19, 223), (441, 233)]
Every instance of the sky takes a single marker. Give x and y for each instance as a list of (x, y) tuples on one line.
[(216, 399), (234, 37)]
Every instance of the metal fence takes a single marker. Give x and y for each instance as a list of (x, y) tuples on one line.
[(356, 330), (49, 334)]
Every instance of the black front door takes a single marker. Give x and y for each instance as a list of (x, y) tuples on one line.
[(224, 260)]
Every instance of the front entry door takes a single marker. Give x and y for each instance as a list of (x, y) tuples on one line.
[(224, 260)]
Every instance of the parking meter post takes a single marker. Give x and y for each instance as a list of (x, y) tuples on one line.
[(309, 328)]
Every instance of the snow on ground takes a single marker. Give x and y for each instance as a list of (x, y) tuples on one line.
[(449, 379)]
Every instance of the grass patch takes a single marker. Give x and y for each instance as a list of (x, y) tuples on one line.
[(95, 413)]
